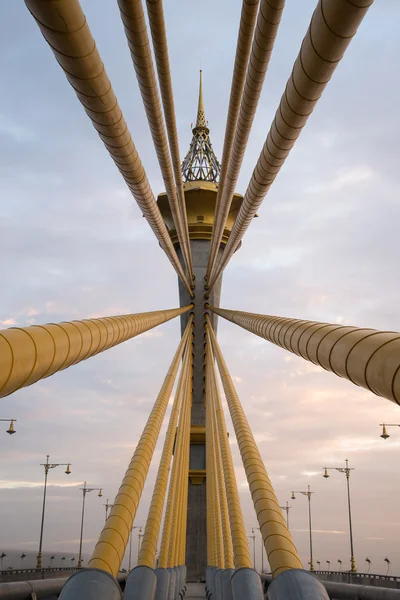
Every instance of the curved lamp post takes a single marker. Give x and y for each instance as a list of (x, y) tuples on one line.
[(23, 555), (47, 466), (72, 561), (11, 428), (328, 562), (340, 564), (388, 564), (368, 561), (346, 470), (384, 433), (51, 561), (2, 557), (308, 494), (319, 565), (85, 490)]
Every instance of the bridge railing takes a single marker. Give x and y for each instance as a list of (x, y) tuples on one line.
[(360, 578)]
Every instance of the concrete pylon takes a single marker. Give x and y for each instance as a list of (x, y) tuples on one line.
[(200, 172)]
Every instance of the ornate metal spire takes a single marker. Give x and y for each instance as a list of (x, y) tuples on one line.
[(200, 163)]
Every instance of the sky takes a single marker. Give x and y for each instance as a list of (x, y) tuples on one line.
[(73, 245)]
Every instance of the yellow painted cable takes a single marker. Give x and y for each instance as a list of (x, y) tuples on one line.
[(241, 554), (333, 26), (160, 45), (177, 507), (28, 354), (281, 551), (64, 26), (148, 547), (211, 541), (366, 357), (268, 19), (164, 557), (110, 549), (243, 47), (226, 531), (182, 546), (219, 544), (132, 16)]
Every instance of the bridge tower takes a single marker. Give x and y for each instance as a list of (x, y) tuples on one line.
[(200, 173)]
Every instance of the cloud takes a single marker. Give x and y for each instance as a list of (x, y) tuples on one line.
[(347, 178), (74, 244)]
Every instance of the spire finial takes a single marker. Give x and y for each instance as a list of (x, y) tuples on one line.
[(200, 163), (201, 119)]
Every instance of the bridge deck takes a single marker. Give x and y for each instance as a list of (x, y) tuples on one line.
[(195, 591)]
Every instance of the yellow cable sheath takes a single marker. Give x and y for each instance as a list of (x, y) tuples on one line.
[(164, 556), (210, 507), (244, 40), (148, 547), (226, 531), (241, 553), (182, 546), (64, 26), (219, 544), (333, 26), (177, 507), (160, 45), (281, 551), (110, 548), (366, 357), (268, 19), (132, 16), (28, 354)]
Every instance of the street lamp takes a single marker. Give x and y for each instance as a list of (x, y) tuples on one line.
[(308, 494), (346, 470), (286, 508), (108, 506), (384, 433), (253, 537), (62, 561), (130, 544), (85, 490), (368, 561), (23, 555), (72, 561), (11, 428), (328, 562), (51, 561), (2, 557), (47, 466), (388, 564), (340, 564), (262, 549), (319, 564)]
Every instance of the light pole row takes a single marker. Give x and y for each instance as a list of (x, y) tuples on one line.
[(47, 466)]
